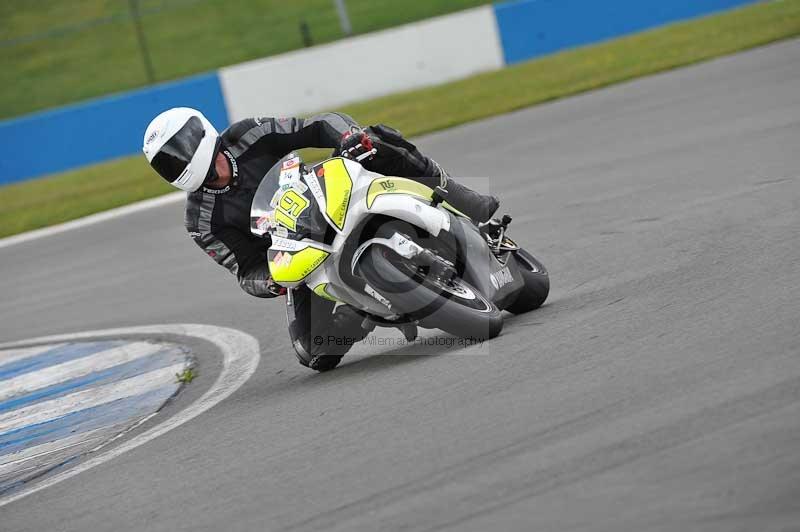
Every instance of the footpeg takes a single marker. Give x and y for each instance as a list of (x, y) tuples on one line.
[(495, 232), (409, 331), (495, 228), (439, 195)]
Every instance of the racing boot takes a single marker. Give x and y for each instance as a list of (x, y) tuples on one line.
[(349, 328), (479, 207), (394, 155), (409, 329)]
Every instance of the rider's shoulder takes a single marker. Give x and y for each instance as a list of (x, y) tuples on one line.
[(199, 218), (237, 130), (244, 133), (199, 204)]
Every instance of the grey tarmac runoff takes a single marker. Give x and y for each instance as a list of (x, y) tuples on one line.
[(658, 389)]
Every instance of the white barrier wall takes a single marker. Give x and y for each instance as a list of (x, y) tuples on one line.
[(325, 77)]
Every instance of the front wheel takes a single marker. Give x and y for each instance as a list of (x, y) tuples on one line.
[(537, 284), (450, 305)]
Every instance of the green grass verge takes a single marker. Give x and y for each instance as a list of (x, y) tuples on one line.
[(51, 200), (90, 47), (46, 201)]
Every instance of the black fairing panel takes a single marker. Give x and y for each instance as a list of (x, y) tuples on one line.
[(477, 263)]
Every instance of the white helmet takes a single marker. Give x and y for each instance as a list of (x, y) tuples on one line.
[(181, 144)]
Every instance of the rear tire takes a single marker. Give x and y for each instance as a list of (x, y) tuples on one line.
[(537, 284), (455, 307)]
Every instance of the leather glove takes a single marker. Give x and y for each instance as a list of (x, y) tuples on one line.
[(356, 143), (275, 289)]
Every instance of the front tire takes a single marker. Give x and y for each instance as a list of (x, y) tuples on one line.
[(454, 306)]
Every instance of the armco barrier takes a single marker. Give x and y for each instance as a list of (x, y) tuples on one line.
[(102, 129), (531, 28)]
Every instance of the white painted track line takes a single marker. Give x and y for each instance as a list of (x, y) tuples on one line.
[(35, 380), (92, 219), (52, 446), (240, 357), (9, 461)]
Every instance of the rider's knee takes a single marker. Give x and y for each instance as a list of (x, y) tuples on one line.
[(321, 348), (303, 352), (311, 354), (317, 351)]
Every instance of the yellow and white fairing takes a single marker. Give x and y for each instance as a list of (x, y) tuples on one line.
[(292, 261), (346, 194)]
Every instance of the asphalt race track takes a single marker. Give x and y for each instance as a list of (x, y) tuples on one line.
[(658, 390)]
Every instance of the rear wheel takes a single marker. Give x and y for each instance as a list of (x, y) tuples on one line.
[(537, 284), (448, 304)]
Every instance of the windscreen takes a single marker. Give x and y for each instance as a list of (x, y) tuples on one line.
[(284, 206)]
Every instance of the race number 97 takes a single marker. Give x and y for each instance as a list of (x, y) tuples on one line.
[(290, 206)]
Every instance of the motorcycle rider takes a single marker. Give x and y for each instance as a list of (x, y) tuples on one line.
[(221, 172)]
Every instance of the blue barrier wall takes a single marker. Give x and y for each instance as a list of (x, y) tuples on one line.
[(102, 129), (530, 28)]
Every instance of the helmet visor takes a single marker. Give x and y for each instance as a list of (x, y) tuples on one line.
[(174, 156)]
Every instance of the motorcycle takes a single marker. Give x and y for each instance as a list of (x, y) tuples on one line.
[(392, 248)]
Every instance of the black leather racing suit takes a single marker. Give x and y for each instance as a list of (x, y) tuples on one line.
[(219, 220)]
